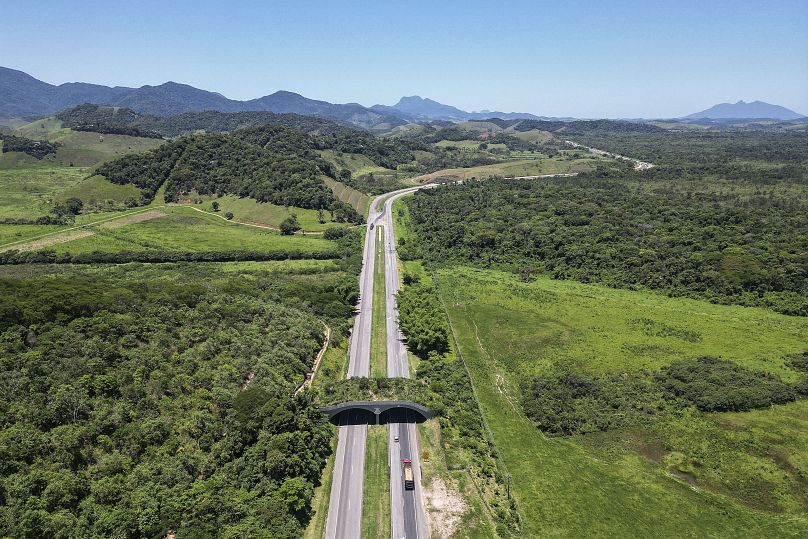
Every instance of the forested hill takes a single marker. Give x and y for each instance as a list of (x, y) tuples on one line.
[(124, 121), (585, 126), (134, 405), (34, 148), (270, 164)]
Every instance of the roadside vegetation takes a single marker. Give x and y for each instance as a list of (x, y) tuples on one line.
[(376, 506), (378, 333), (463, 439)]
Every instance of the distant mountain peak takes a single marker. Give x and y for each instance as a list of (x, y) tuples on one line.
[(424, 108), (742, 109)]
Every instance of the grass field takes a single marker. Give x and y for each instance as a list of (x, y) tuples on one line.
[(523, 167), (470, 145), (378, 334), (15, 233), (30, 186), (632, 484), (97, 190), (248, 210), (28, 192), (357, 164), (534, 135), (178, 229), (376, 504), (83, 148)]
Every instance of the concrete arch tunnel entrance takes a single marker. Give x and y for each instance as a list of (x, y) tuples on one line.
[(377, 412)]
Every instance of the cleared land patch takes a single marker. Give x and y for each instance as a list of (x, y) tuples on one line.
[(358, 200), (525, 167), (250, 211), (50, 241), (97, 191), (133, 219), (28, 192)]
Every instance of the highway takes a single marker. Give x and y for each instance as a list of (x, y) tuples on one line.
[(408, 518), (345, 504)]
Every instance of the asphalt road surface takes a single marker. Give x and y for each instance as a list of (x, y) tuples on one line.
[(345, 505), (408, 519)]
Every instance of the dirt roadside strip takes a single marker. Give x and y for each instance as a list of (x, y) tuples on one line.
[(132, 219), (310, 376), (54, 240)]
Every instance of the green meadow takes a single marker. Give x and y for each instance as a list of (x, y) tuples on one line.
[(29, 192), (249, 210), (182, 229), (83, 148), (705, 475), (360, 201)]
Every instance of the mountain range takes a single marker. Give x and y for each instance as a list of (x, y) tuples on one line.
[(744, 110), (23, 96)]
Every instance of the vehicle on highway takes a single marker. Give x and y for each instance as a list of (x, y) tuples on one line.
[(371, 225), (409, 481), (395, 438)]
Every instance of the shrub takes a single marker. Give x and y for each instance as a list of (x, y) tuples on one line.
[(716, 385), (799, 362), (290, 225), (334, 233)]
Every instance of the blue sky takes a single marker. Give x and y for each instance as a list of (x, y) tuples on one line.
[(558, 58)]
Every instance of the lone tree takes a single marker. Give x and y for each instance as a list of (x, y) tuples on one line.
[(290, 225), (71, 206), (229, 216), (214, 205)]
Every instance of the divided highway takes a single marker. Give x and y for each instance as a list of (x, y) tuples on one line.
[(408, 518)]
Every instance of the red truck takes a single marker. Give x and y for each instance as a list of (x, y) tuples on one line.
[(409, 481)]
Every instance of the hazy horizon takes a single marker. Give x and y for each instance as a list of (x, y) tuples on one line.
[(625, 60)]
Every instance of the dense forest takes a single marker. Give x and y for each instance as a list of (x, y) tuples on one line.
[(730, 244), (270, 164), (136, 405), (685, 150), (587, 126), (34, 148), (119, 120)]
